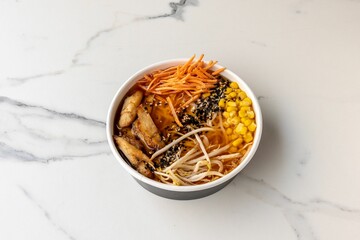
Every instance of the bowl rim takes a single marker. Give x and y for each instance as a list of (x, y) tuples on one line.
[(160, 65)]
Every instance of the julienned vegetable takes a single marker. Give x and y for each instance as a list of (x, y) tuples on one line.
[(186, 124)]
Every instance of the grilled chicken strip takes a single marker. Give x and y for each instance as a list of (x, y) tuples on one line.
[(145, 129), (128, 111), (129, 136), (135, 156)]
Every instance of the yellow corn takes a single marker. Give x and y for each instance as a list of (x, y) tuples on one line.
[(243, 130), (233, 150), (246, 102), (232, 94), (228, 120), (234, 85), (205, 95), (251, 114), (252, 127), (239, 117), (242, 95), (229, 131), (222, 103), (228, 90), (234, 136), (238, 128), (242, 113), (247, 122), (230, 109), (237, 142), (246, 109), (235, 120), (248, 137), (231, 104)]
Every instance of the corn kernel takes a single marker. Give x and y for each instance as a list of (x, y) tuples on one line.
[(230, 109), (243, 130), (243, 119), (248, 137), (235, 120), (234, 85), (234, 136), (251, 114), (237, 142), (246, 109), (226, 124), (252, 127), (233, 150), (228, 90), (232, 113), (226, 114), (222, 103), (237, 90), (238, 128), (232, 94), (246, 102), (247, 122), (205, 95), (231, 104), (228, 96), (242, 113), (242, 95), (229, 131)]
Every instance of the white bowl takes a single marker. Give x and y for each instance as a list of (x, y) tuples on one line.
[(172, 191)]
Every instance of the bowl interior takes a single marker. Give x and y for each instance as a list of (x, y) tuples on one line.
[(162, 65)]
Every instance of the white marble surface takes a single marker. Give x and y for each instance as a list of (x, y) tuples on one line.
[(62, 62)]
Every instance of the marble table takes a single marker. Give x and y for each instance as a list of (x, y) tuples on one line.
[(62, 62)]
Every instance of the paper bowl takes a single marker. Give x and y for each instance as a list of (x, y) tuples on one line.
[(172, 191)]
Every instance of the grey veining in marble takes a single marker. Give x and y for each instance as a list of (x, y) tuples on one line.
[(62, 62)]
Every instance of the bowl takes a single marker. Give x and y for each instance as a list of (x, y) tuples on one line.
[(172, 191)]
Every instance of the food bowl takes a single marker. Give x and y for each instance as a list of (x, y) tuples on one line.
[(173, 191)]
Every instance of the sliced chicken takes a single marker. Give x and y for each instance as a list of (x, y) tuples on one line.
[(136, 157), (129, 136), (148, 103), (128, 111), (145, 129)]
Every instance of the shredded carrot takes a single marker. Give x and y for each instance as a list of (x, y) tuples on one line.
[(210, 65), (160, 98), (173, 112), (192, 77), (187, 64), (192, 99), (218, 71), (181, 85), (188, 93), (147, 77)]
